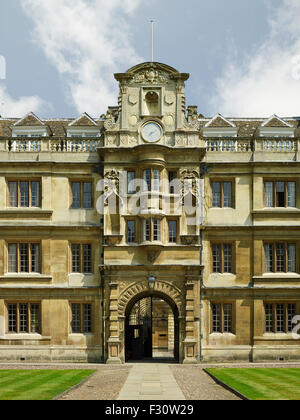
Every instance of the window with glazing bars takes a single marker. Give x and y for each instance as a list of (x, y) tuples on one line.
[(280, 194), (279, 317), (151, 230), (222, 194), (23, 317), (151, 179), (174, 182), (131, 188), (222, 258), (81, 258), (172, 231), (24, 193), (131, 232), (81, 318), (24, 258), (222, 321), (280, 257), (82, 195)]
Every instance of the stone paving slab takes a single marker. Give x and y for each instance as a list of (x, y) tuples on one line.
[(151, 382)]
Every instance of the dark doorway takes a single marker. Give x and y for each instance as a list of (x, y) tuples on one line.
[(151, 330)]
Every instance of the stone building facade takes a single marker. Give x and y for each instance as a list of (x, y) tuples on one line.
[(150, 202)]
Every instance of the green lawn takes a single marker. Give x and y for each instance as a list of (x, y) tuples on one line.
[(38, 384), (262, 383)]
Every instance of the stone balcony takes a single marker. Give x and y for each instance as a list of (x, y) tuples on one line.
[(49, 149), (253, 150)]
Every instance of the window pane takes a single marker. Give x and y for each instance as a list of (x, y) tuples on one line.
[(280, 258), (87, 318), (172, 182), (291, 194), (131, 231), (156, 230), (216, 191), (269, 194), (147, 180), (87, 258), (227, 194), (87, 195), (35, 318), (216, 251), (280, 202), (24, 261), (35, 194), (291, 314), (13, 194), (131, 182), (76, 195), (292, 258), (12, 317), (75, 324), (227, 250), (269, 317), (35, 258), (23, 314), (227, 308), (269, 258), (280, 318), (24, 194), (172, 231), (147, 231), (75, 258), (12, 258), (216, 318), (156, 180)]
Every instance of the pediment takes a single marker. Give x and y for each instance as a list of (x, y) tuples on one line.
[(83, 121), (29, 120), (275, 121), (219, 121), (152, 73)]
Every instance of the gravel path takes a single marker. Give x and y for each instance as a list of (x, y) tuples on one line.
[(197, 385)]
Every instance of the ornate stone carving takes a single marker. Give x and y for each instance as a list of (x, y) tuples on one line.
[(151, 76), (190, 184), (111, 140), (110, 121), (169, 98), (112, 180), (133, 99), (163, 287), (189, 239), (152, 256)]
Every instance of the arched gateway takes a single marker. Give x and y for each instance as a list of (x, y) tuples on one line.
[(151, 327), (132, 332)]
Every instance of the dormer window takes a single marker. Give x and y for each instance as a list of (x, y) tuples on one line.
[(276, 127), (30, 126), (220, 127), (83, 127)]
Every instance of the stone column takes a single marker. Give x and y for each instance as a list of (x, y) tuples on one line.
[(114, 342), (190, 340)]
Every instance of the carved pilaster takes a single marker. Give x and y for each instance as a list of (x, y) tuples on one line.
[(114, 342), (190, 340)]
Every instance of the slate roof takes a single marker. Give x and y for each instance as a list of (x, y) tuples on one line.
[(247, 127)]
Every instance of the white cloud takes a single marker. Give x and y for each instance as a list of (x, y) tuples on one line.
[(267, 81), (87, 41), (10, 107)]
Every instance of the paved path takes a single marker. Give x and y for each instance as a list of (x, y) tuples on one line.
[(150, 382)]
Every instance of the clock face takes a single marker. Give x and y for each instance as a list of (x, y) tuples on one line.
[(151, 132)]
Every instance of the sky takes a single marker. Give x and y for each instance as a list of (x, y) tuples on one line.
[(58, 57)]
